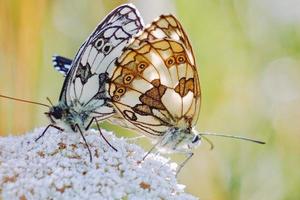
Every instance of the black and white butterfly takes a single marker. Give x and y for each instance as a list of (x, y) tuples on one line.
[(84, 99)]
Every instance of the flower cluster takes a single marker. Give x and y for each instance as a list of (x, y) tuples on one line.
[(58, 167)]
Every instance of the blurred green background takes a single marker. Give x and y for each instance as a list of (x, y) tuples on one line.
[(248, 56)]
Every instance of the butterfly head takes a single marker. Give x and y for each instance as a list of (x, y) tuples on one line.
[(55, 114), (191, 138), (180, 140)]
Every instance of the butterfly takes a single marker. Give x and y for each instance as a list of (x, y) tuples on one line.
[(83, 98), (155, 87)]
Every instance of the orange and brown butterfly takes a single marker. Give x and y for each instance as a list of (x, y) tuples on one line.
[(155, 86)]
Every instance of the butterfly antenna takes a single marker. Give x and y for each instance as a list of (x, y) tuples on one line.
[(25, 101), (209, 142), (48, 99), (231, 136)]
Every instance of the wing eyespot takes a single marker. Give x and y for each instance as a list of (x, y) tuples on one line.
[(180, 59), (99, 43), (141, 66), (118, 93), (106, 48), (128, 78), (116, 98), (120, 90), (170, 61)]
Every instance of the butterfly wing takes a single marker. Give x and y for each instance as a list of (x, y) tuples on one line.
[(85, 83), (166, 26), (155, 85), (61, 64)]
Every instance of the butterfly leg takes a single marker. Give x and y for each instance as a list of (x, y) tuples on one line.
[(152, 149), (89, 125), (91, 159), (94, 119), (188, 156), (50, 125)]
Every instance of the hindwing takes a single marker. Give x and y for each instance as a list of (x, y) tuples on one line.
[(61, 64)]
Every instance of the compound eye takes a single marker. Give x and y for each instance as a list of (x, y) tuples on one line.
[(57, 116), (99, 43), (106, 48), (196, 139), (56, 113)]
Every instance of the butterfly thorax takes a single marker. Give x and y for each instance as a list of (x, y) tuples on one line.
[(179, 140), (68, 117)]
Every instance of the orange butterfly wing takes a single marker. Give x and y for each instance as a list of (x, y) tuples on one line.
[(155, 85)]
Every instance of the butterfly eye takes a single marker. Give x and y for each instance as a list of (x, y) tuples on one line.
[(180, 59), (170, 61), (141, 66), (106, 48), (128, 78), (56, 112), (99, 43), (196, 139)]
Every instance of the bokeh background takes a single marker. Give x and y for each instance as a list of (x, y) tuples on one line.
[(248, 56)]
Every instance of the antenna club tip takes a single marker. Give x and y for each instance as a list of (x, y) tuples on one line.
[(261, 142)]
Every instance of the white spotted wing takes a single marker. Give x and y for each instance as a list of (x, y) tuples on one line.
[(84, 86)]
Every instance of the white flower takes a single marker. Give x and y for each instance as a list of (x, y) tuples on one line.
[(58, 167)]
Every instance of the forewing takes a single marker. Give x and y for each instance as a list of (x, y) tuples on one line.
[(155, 85), (85, 83), (166, 26)]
